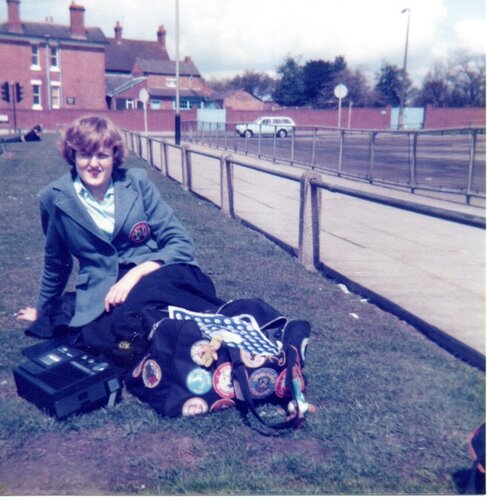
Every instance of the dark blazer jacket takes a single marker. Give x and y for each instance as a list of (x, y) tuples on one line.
[(145, 229)]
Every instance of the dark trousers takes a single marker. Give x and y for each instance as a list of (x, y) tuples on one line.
[(121, 334)]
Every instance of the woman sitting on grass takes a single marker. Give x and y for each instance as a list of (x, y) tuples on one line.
[(133, 253)]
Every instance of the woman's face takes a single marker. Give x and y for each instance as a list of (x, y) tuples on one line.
[(95, 170)]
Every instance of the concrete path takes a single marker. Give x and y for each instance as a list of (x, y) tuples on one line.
[(424, 267)]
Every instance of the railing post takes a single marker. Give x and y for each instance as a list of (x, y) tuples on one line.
[(186, 167), (292, 145), (259, 142), (340, 152), (157, 166), (471, 163), (247, 138), (313, 148), (226, 185), (309, 221), (145, 153), (164, 167), (414, 164), (370, 175), (150, 155), (274, 145)]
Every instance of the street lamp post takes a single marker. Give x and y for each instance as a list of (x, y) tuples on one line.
[(403, 83), (177, 117)]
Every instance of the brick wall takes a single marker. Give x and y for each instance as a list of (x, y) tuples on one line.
[(185, 82), (163, 120), (81, 75), (453, 117), (368, 118), (132, 119), (16, 56)]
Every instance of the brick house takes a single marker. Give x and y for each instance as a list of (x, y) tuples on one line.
[(131, 65), (78, 68), (57, 66), (236, 99)]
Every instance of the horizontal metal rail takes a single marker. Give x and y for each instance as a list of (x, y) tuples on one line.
[(447, 161), (441, 213)]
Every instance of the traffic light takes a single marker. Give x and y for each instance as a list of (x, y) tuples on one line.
[(19, 92), (6, 91)]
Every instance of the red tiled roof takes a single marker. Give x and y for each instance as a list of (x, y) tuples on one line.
[(159, 67), (154, 92), (121, 57), (54, 31), (116, 84)]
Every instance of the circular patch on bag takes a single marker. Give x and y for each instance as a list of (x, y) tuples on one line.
[(222, 404), (196, 351), (262, 382), (194, 406), (198, 381), (138, 369), (151, 373), (222, 381), (139, 232), (281, 390), (251, 360)]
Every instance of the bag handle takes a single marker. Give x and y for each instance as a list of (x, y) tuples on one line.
[(241, 375)]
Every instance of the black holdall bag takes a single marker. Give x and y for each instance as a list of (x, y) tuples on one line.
[(199, 363)]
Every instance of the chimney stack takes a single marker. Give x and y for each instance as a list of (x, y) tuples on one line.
[(77, 18), (118, 32), (14, 24), (161, 36)]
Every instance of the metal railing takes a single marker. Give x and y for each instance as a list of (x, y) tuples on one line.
[(450, 161), (176, 162), (291, 211)]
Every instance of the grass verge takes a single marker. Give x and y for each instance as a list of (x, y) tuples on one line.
[(394, 409)]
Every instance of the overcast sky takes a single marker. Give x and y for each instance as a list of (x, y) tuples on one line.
[(226, 37)]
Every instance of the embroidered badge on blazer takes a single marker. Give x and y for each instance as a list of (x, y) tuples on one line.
[(139, 232)]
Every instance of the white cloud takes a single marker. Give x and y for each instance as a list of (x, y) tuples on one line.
[(470, 34)]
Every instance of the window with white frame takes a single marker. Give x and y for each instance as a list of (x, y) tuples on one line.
[(171, 83), (55, 96), (54, 57), (155, 104), (130, 104), (183, 104), (36, 94), (35, 57)]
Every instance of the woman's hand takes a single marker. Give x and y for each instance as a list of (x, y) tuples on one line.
[(120, 290), (27, 314)]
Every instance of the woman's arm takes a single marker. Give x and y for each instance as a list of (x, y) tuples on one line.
[(58, 261), (120, 290), (173, 243)]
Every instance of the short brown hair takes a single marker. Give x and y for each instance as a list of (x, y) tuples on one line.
[(89, 134)]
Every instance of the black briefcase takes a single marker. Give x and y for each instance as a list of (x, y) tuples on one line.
[(62, 380)]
